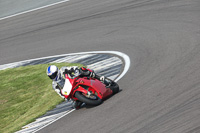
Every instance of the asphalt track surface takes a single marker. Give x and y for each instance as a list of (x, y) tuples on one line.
[(161, 91)]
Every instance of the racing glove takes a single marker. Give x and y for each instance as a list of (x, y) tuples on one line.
[(68, 71)]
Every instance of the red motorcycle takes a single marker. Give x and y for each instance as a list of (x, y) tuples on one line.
[(88, 90)]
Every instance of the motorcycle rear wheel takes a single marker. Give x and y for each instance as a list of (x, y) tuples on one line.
[(114, 87), (91, 100)]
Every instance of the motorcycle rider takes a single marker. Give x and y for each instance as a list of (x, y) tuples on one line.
[(58, 80)]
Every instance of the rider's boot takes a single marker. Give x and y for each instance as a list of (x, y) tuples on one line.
[(102, 79), (77, 104)]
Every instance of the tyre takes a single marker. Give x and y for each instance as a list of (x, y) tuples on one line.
[(114, 87), (89, 100)]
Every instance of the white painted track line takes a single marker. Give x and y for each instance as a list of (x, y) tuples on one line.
[(54, 120), (35, 9)]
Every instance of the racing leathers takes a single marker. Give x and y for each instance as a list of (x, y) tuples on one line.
[(72, 72)]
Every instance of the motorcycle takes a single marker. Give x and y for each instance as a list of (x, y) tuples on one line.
[(88, 90)]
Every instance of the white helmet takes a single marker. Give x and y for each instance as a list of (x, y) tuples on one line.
[(53, 72)]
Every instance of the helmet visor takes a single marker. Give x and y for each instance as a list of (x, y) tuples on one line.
[(53, 76)]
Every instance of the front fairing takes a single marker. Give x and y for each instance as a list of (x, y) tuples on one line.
[(66, 91)]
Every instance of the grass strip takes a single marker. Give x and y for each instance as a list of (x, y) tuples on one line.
[(25, 94)]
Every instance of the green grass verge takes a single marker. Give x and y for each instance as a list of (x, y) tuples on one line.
[(25, 94)]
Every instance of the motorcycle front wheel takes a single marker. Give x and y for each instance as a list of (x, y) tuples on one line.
[(89, 100)]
